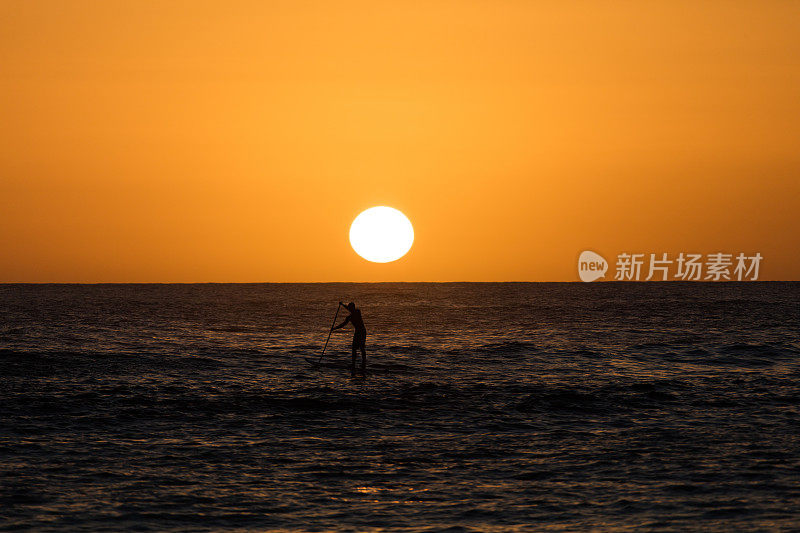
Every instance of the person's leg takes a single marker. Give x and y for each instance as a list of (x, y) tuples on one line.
[(353, 361), (363, 353)]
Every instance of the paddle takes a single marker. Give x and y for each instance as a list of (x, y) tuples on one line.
[(329, 332)]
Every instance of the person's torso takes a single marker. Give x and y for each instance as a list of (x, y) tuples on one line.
[(357, 321)]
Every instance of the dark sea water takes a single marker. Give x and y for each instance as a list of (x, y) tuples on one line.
[(489, 407)]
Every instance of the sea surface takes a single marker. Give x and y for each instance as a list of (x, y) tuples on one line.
[(486, 407)]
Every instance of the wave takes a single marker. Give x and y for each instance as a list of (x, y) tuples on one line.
[(748, 355), (406, 349), (749, 349), (613, 397), (509, 347), (237, 329)]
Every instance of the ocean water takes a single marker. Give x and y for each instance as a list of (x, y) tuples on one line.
[(487, 407)]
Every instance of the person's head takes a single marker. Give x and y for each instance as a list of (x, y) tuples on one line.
[(351, 307)]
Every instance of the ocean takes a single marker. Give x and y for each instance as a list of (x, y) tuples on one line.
[(486, 407)]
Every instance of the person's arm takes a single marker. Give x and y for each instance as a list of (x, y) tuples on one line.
[(343, 324)]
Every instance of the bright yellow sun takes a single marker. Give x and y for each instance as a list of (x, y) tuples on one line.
[(381, 234)]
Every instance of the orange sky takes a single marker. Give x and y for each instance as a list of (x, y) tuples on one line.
[(236, 141)]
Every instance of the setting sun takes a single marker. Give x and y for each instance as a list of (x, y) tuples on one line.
[(381, 234)]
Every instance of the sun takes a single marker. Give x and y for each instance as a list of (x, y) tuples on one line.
[(381, 234)]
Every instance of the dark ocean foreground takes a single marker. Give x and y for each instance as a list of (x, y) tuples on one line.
[(490, 407)]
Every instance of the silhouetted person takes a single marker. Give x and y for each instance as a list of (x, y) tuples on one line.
[(359, 335)]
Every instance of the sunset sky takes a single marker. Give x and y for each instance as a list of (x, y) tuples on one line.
[(237, 141)]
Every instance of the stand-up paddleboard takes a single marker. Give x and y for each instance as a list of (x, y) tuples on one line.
[(327, 364), (340, 365), (372, 366)]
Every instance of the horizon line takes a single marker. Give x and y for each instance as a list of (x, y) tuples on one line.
[(375, 282)]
